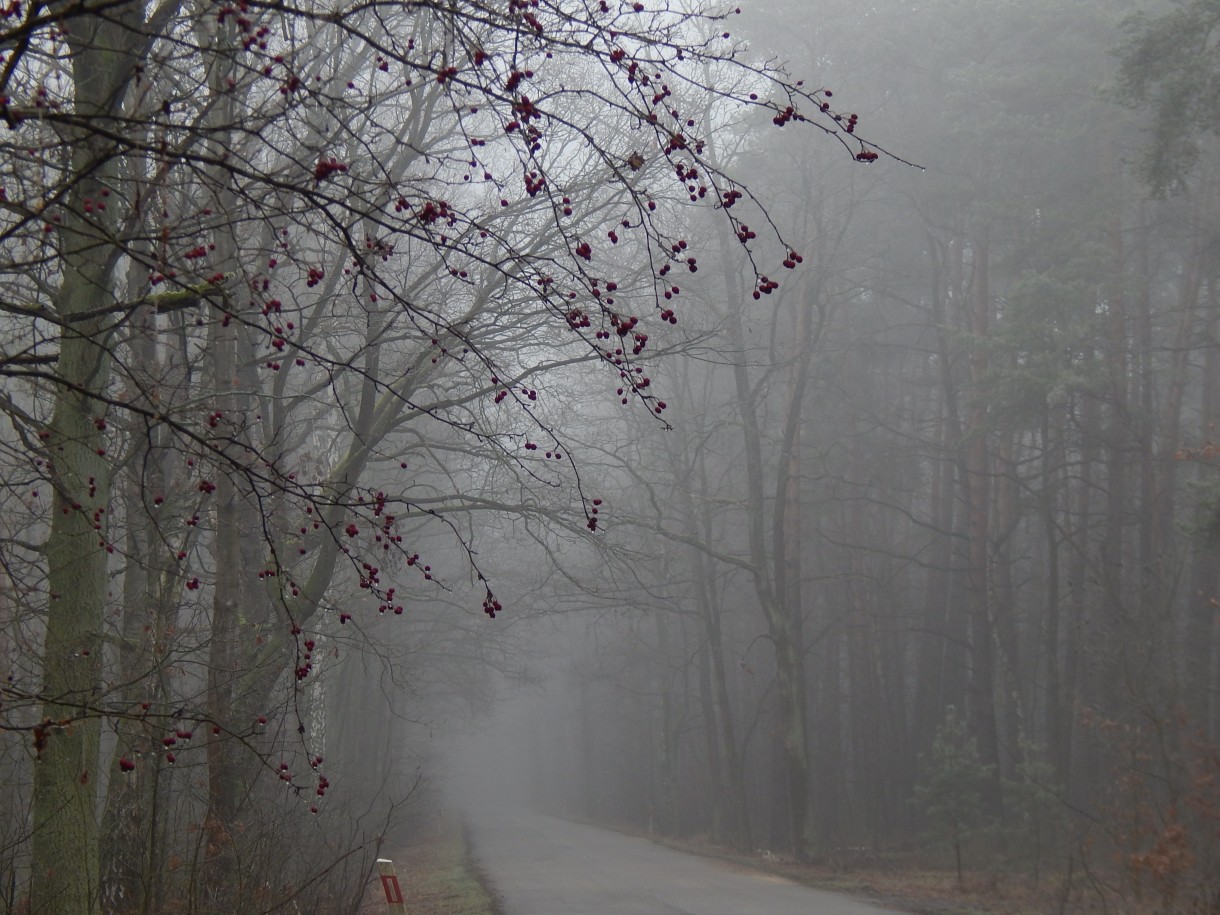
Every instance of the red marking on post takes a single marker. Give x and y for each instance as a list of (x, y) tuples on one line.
[(393, 892)]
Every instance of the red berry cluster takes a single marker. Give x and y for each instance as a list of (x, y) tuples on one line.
[(433, 211), (491, 606), (789, 113), (328, 167), (765, 287), (534, 182)]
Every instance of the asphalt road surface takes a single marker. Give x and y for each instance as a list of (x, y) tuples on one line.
[(538, 865)]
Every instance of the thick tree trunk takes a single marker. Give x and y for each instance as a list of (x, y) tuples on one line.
[(65, 861), (65, 865)]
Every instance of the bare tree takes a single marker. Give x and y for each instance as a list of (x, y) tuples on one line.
[(252, 251)]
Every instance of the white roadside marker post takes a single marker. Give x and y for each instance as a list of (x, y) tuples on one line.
[(389, 883)]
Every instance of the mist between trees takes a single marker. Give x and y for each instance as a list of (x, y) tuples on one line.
[(364, 365)]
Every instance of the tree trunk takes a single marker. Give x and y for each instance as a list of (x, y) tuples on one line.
[(942, 658), (1203, 596), (130, 865), (783, 619), (787, 625), (1058, 704), (977, 467), (736, 806), (1005, 607), (64, 852)]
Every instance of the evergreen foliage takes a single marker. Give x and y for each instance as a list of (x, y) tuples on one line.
[(951, 785)]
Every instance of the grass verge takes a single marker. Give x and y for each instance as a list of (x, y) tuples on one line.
[(437, 874)]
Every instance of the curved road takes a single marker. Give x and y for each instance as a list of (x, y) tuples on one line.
[(538, 865)]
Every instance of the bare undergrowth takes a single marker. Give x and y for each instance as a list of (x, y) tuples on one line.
[(436, 874)]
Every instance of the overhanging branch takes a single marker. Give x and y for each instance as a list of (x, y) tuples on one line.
[(163, 302)]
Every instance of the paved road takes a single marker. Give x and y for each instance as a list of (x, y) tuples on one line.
[(539, 865)]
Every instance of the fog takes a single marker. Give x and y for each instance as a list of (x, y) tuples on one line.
[(965, 580), (789, 431)]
